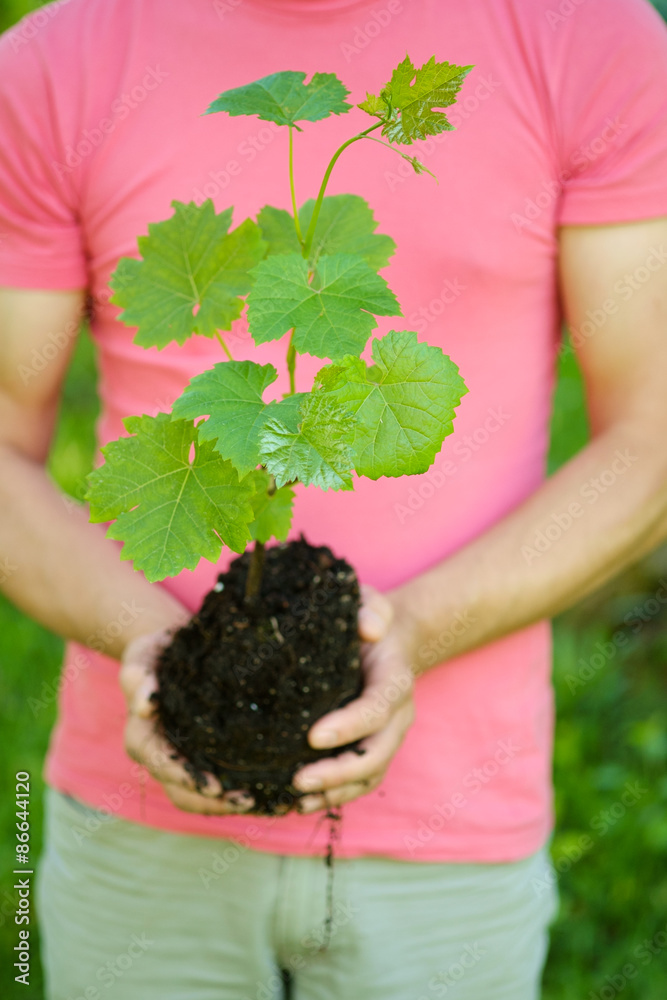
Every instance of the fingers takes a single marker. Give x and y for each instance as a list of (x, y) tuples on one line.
[(389, 683), (341, 779), (231, 803), (147, 747), (137, 673), (152, 751), (375, 614), (346, 793), (138, 682)]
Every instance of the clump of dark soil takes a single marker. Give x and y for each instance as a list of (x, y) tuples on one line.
[(241, 684)]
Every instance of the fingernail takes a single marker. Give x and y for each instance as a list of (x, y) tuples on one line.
[(142, 700), (212, 788), (310, 804), (240, 801), (323, 738), (307, 784)]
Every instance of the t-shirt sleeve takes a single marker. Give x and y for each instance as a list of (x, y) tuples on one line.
[(41, 244), (610, 109)]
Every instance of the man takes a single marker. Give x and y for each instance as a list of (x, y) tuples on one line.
[(551, 202)]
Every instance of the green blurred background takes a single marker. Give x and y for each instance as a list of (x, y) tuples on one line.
[(612, 729)]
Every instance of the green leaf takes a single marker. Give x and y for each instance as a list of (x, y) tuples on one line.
[(345, 225), (170, 511), (410, 97), (374, 105), (230, 394), (191, 277), (313, 445), (284, 99), (331, 316), (418, 166), (404, 403), (288, 409), (277, 227), (273, 513)]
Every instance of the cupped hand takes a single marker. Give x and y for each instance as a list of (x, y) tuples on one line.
[(148, 747), (380, 717)]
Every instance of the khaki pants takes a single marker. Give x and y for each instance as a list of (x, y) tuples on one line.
[(129, 912)]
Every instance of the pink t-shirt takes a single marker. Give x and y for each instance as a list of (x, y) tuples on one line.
[(562, 121)]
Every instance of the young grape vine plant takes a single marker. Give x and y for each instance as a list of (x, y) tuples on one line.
[(222, 466)]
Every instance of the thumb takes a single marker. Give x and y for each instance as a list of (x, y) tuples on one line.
[(138, 682), (137, 674), (376, 614)]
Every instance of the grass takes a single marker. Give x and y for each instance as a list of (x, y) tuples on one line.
[(610, 844)]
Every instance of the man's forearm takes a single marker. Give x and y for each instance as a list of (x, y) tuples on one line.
[(599, 513), (60, 570)]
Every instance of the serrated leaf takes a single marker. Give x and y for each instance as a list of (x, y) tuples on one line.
[(410, 97), (345, 225), (288, 409), (312, 445), (170, 512), (416, 92), (230, 395), (331, 316), (283, 98), (273, 512), (192, 275), (374, 105), (404, 403)]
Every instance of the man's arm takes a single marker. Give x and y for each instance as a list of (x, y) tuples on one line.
[(58, 568), (501, 582), (54, 565)]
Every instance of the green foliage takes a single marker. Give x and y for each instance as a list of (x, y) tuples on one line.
[(314, 277), (231, 394), (345, 225), (331, 313), (283, 98), (192, 275), (404, 403), (375, 106), (406, 103), (272, 509), (570, 430), (312, 445), (171, 511)]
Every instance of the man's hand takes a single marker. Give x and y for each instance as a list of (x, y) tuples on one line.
[(380, 717), (145, 745)]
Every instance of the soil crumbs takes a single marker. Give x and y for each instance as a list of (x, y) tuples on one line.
[(241, 684)]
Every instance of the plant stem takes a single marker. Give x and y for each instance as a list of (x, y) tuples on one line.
[(223, 345), (325, 180), (306, 245), (410, 159), (291, 365), (297, 224), (254, 579)]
